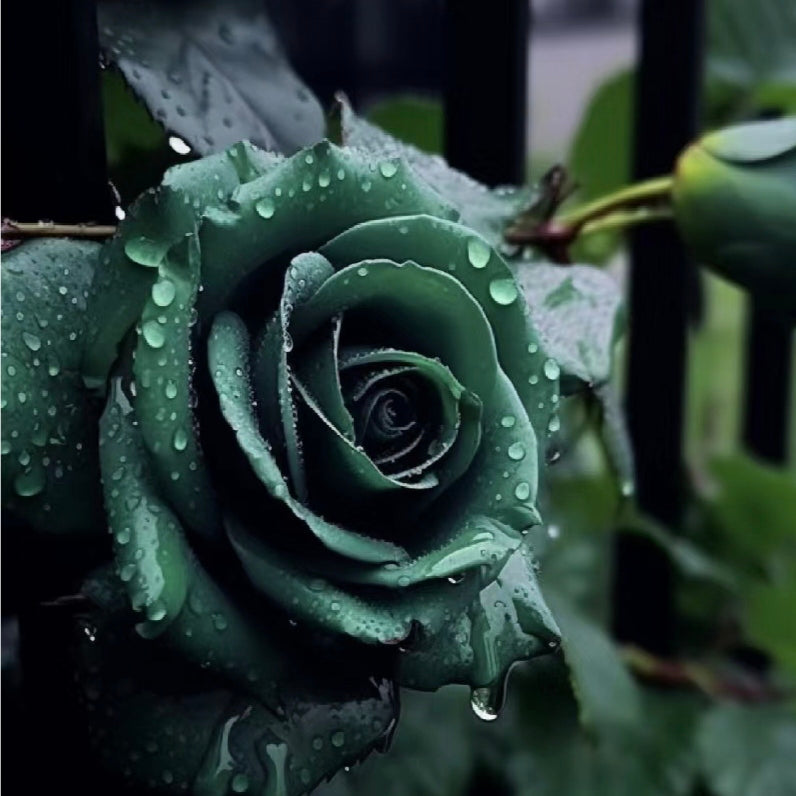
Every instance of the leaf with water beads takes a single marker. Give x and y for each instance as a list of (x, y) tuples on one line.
[(188, 66), (482, 209), (50, 468), (456, 250), (580, 315)]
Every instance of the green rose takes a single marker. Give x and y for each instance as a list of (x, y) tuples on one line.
[(734, 196), (323, 408)]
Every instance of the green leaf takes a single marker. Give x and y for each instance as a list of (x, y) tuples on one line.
[(213, 73), (547, 753), (606, 693), (752, 508), (482, 209), (751, 63), (50, 468), (414, 120), (748, 750), (579, 314), (750, 525), (137, 147), (599, 158)]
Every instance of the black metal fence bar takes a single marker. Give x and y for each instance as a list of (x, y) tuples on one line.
[(54, 167), (769, 363), (667, 93), (54, 163), (486, 89)]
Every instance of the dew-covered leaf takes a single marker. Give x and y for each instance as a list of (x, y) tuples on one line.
[(579, 313), (607, 694), (50, 468), (547, 752), (483, 209), (213, 73)]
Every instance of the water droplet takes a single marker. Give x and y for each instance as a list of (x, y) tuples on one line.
[(309, 158), (175, 142), (503, 291), (29, 483), (551, 369), (144, 251), (554, 424), (338, 738), (170, 389), (366, 185), (533, 379), (522, 491), (508, 421), (123, 536), (153, 334), (163, 292), (478, 253), (388, 169), (362, 271), (180, 440), (324, 178), (127, 572), (265, 207), (5, 447), (240, 783), (516, 451), (31, 341)]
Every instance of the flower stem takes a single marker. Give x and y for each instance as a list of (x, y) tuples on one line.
[(50, 229), (649, 192), (624, 219)]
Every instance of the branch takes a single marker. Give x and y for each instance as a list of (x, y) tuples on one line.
[(20, 230), (636, 204), (697, 676)]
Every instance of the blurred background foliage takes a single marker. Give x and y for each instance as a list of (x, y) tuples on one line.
[(717, 717)]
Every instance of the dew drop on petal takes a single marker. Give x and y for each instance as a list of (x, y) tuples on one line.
[(31, 341), (551, 369), (180, 440), (522, 491), (153, 334), (163, 292), (478, 253), (265, 207), (388, 169), (508, 421), (516, 451), (503, 291)]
